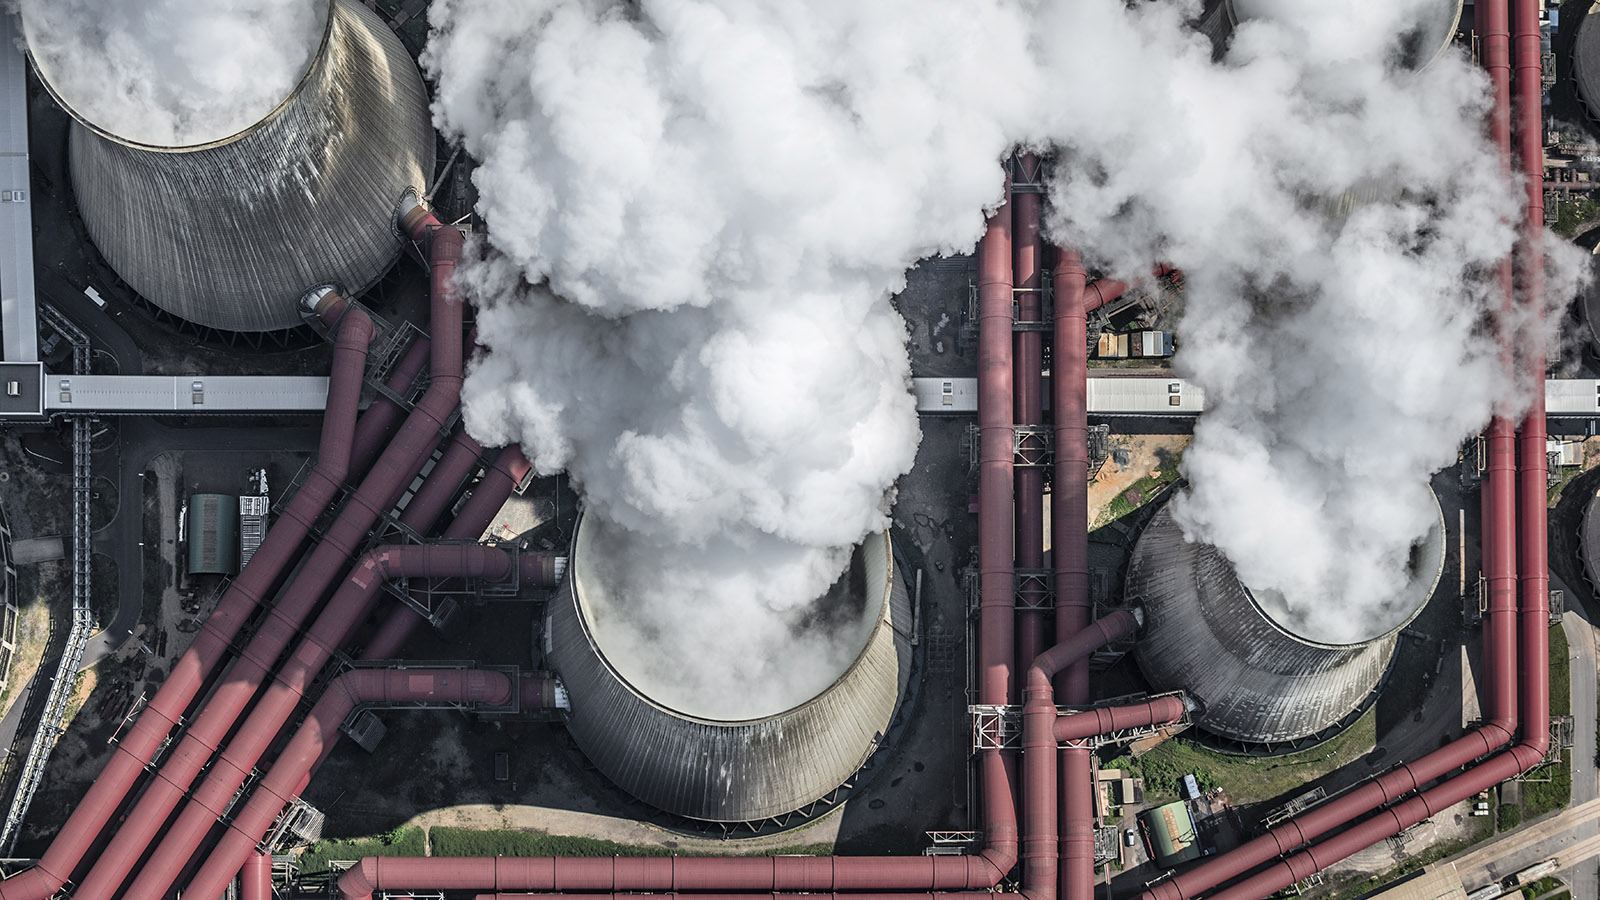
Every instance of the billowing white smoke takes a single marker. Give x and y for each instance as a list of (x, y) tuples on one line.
[(713, 199), (1344, 356), (173, 72), (727, 195)]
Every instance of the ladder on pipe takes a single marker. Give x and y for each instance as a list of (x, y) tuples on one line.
[(66, 675)]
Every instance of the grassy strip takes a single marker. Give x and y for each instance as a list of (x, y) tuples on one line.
[(407, 840), (446, 841), (1249, 779), (1560, 673), (1540, 797)]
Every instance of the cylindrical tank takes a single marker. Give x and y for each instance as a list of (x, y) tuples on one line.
[(1257, 682), (229, 233), (1433, 34), (1589, 540), (730, 771), (1586, 62)]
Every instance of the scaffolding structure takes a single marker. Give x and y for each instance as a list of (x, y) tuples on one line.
[(66, 674)]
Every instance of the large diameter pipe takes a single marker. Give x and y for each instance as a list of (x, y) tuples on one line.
[(255, 879), (508, 470), (1533, 507), (777, 874), (378, 492), (377, 425), (996, 575), (1028, 405), (215, 638), (353, 688), (348, 608), (996, 454), (1069, 525)]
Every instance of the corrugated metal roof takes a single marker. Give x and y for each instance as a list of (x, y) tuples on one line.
[(19, 327), (732, 771), (213, 534), (1148, 395), (177, 393), (1256, 682), (1172, 835), (230, 235)]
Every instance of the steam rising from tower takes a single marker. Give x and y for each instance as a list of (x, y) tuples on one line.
[(228, 157), (697, 210)]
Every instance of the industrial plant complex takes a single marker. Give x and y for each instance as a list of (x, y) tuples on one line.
[(280, 616)]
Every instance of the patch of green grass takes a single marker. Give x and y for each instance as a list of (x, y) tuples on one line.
[(1540, 797), (1250, 779), (1560, 673), (1543, 886), (1148, 487), (407, 840), (1510, 816), (447, 841), (467, 842), (1570, 214)]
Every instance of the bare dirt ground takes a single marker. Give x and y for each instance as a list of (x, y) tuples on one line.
[(1144, 456)]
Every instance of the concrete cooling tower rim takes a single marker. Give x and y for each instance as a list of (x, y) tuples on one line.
[(1421, 587), (583, 589), (300, 82), (1441, 23)]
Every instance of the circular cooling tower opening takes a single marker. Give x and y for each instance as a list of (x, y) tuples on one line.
[(716, 650), (1378, 617), (1435, 27), (173, 73)]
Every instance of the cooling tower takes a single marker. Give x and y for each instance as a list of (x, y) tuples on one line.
[(229, 233), (1586, 63), (731, 771), (1430, 39), (1258, 682)]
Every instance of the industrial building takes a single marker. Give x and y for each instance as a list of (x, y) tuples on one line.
[(211, 235), (213, 534)]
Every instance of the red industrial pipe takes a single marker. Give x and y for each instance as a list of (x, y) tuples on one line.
[(357, 686), (755, 873), (1533, 484), (1069, 522), (1028, 381), (509, 468), (997, 589), (215, 638), (348, 608), (255, 879), (379, 491), (1105, 290), (377, 425), (1091, 722), (996, 575)]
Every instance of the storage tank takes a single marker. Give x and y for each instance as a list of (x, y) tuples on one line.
[(1433, 34), (1586, 63), (1258, 682), (229, 231), (731, 771)]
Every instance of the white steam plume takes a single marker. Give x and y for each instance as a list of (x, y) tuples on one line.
[(173, 72), (711, 201)]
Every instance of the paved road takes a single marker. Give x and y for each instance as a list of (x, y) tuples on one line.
[(1584, 878)]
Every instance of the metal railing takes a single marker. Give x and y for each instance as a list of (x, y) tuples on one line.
[(66, 675)]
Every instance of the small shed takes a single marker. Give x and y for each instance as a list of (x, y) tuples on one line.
[(1171, 835), (213, 534)]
